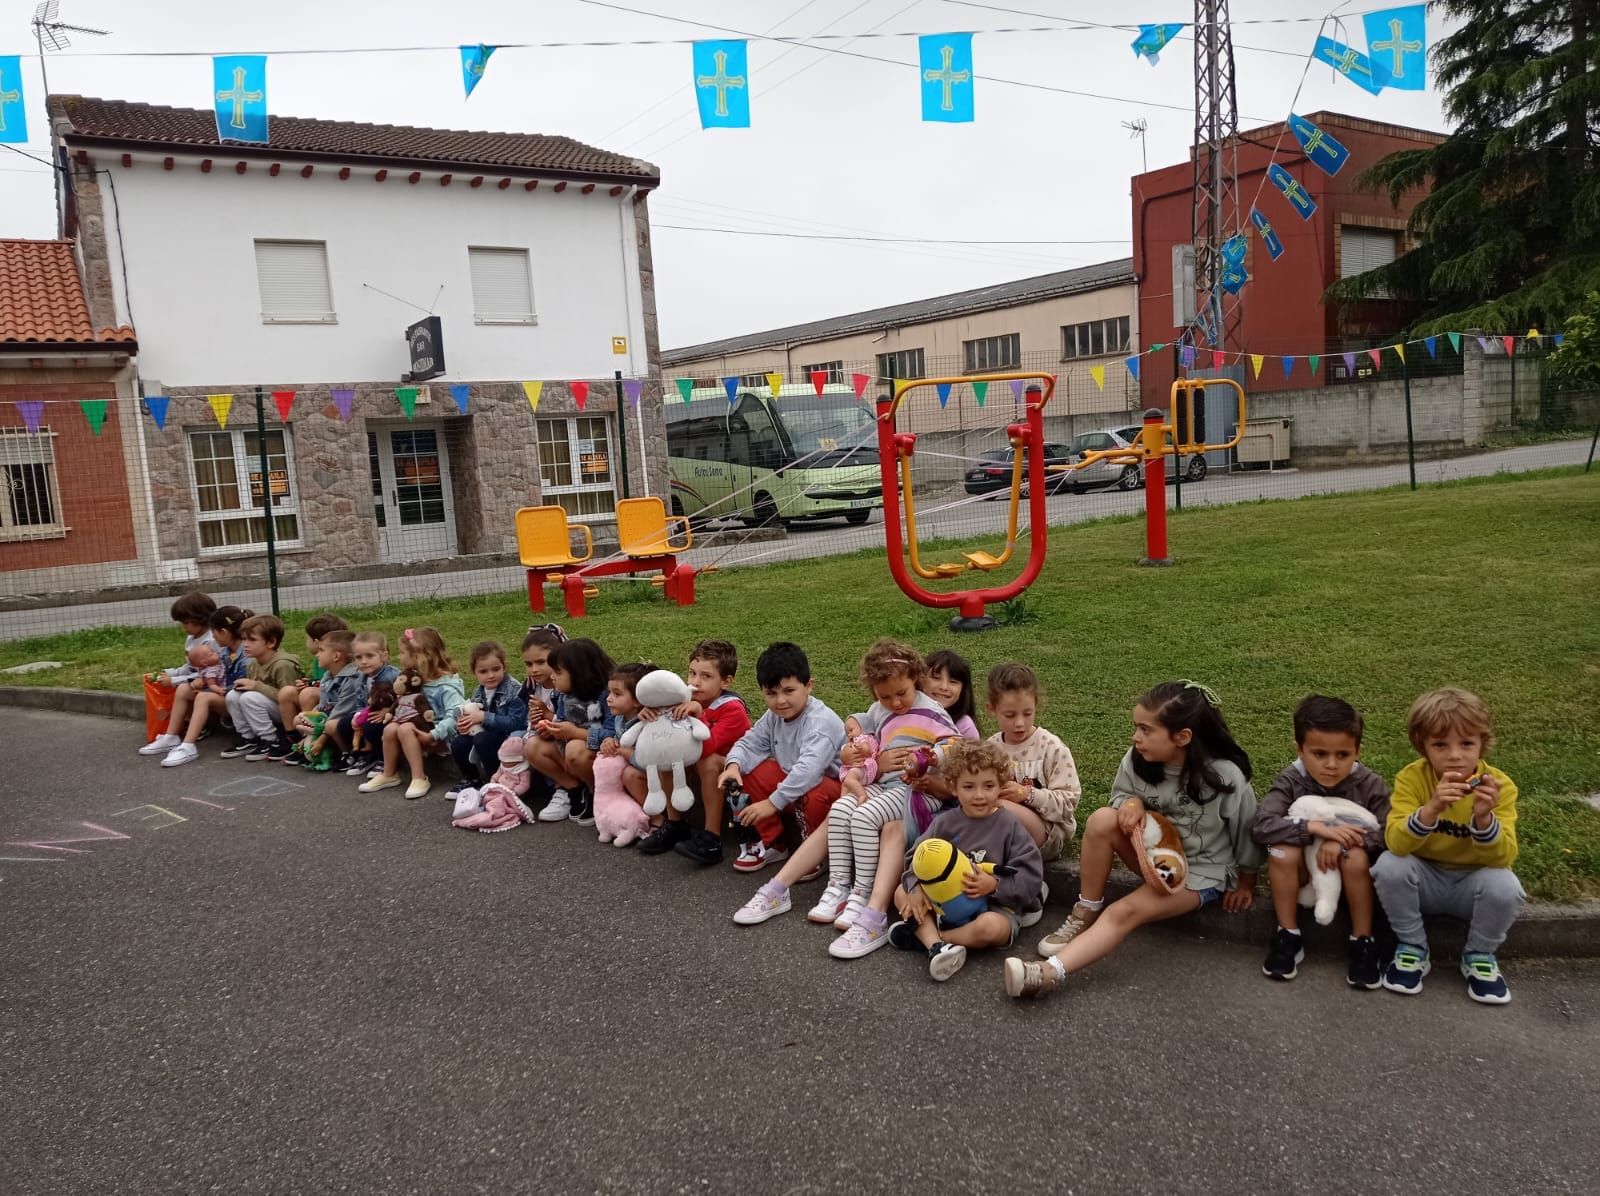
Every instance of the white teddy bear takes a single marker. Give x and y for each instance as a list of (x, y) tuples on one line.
[(1322, 891), (665, 741)]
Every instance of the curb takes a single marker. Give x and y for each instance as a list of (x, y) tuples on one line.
[(74, 701)]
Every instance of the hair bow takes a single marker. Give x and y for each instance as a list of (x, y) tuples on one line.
[(1206, 692), (553, 628)]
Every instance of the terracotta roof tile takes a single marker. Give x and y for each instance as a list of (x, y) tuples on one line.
[(41, 298), (120, 122)]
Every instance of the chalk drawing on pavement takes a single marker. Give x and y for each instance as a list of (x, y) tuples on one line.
[(255, 787), (155, 812), (200, 801)]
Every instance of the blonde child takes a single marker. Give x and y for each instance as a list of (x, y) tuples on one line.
[(421, 649), (371, 650), (580, 674), (253, 701), (340, 695), (303, 697), (195, 703), (1043, 789), (1185, 765)]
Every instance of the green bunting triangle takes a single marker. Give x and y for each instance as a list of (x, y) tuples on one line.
[(981, 391), (685, 385), (408, 400), (1315, 361), (1455, 341), (1156, 348), (94, 410)]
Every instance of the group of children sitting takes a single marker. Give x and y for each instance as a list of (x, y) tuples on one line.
[(931, 838)]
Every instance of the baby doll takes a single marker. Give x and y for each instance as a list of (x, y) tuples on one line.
[(854, 778), (498, 806), (210, 674)]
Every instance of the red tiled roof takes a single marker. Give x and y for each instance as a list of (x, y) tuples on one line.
[(41, 299), (125, 124)]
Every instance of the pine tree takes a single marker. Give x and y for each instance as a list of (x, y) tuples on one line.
[(1509, 234)]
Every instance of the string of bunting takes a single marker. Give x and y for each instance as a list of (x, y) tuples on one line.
[(32, 411)]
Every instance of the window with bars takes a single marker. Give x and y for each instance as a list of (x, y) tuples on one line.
[(293, 278), (228, 485), (993, 352), (575, 466), (834, 370), (31, 507), (502, 286), (1097, 338), (907, 363)]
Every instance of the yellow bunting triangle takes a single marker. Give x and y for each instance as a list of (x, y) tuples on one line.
[(532, 389), (775, 383), (220, 406), (1098, 373), (1534, 334), (1258, 360), (899, 385), (1401, 350)]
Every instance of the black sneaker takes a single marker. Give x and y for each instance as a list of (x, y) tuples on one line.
[(904, 936), (239, 747), (261, 750), (664, 838), (702, 847), (1366, 963), (1283, 960), (279, 751), (583, 807)]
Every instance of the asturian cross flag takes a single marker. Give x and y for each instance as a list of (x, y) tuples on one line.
[(1352, 64), (946, 73), (1299, 198), (1153, 39), (1269, 235), (1397, 46), (13, 115), (474, 61), (1326, 153), (240, 90), (722, 84)]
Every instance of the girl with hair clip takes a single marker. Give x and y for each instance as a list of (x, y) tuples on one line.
[(1185, 765), (207, 699), (580, 675), (422, 651)]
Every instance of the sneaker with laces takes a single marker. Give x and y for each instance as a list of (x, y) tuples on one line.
[(583, 808), (903, 937), (702, 847), (239, 747), (1485, 984), (184, 753), (1366, 964), (1406, 970), (161, 745), (262, 751), (757, 855), (280, 752), (830, 905), (664, 838), (558, 808), (1284, 956), (853, 905), (859, 940), (1079, 920), (945, 960), (357, 765), (1027, 978), (761, 906)]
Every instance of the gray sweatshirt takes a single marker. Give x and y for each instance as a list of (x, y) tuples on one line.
[(1000, 840), (1215, 835), (1272, 823), (806, 747)]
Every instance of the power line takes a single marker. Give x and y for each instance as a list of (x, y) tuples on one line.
[(743, 232)]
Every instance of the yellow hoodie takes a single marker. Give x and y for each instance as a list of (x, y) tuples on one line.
[(1454, 842)]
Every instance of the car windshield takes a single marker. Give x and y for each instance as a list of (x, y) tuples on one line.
[(830, 426), (1093, 442)]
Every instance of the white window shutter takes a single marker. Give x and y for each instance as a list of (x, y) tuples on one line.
[(1363, 249), (502, 289), (293, 277)]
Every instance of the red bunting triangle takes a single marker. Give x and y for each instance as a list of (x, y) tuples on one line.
[(1511, 345), (859, 381), (1377, 358), (1218, 359), (819, 379), (285, 400), (580, 393)]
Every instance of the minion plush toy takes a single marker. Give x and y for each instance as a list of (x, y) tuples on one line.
[(939, 866)]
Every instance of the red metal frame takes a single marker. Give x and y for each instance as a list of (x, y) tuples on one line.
[(678, 581)]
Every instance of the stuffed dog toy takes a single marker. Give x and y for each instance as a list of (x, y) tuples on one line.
[(1160, 853), (666, 742), (1321, 892)]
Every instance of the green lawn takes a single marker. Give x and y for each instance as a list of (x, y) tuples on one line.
[(1490, 584)]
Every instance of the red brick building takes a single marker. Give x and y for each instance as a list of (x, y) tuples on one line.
[(1280, 310)]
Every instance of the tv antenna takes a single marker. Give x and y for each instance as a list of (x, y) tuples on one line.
[(1138, 127), (50, 32)]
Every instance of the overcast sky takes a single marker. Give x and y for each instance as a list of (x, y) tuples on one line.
[(836, 143)]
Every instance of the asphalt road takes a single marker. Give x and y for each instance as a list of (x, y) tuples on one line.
[(311, 990)]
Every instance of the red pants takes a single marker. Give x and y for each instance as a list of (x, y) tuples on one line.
[(801, 817)]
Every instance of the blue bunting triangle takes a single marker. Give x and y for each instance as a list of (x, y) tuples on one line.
[(156, 405)]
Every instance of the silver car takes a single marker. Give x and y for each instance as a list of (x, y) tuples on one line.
[(1109, 472)]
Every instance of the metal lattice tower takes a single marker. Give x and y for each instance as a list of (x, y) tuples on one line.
[(1216, 157)]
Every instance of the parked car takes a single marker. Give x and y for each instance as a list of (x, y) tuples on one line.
[(994, 470), (1109, 472)]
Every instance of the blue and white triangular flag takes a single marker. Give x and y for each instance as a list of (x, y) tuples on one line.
[(1325, 152), (1153, 39), (1235, 248), (13, 110), (240, 96), (1352, 64), (474, 61), (946, 73), (1269, 236), (722, 84), (1233, 278), (1397, 46), (1299, 198)]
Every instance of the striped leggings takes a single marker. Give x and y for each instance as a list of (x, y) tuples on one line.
[(854, 828)]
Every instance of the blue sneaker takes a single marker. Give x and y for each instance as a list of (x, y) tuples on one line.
[(1406, 970), (1484, 981)]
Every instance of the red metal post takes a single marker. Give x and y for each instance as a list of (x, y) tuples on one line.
[(683, 585), (1155, 491), (536, 591), (572, 585)]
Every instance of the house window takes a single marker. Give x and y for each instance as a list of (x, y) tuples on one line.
[(993, 353), (908, 363), (375, 466), (834, 370), (754, 381), (1097, 338), (1363, 249), (227, 489), (31, 506), (293, 277), (502, 286), (575, 457)]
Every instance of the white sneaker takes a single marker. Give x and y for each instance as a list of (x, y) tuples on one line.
[(830, 905), (854, 904), (161, 745), (947, 961), (558, 808), (761, 907), (418, 788), (1031, 918), (858, 941), (184, 753)]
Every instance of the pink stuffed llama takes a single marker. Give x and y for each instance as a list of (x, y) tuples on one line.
[(498, 806), (617, 816)]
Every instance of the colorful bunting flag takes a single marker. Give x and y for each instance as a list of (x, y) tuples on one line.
[(899, 386), (722, 84), (1288, 366), (1234, 248), (1533, 334), (1153, 39), (220, 406), (1558, 338), (343, 399), (408, 400), (980, 391), (580, 393), (1350, 364), (32, 411), (775, 384), (633, 389), (1352, 64), (13, 108), (1321, 148), (731, 385), (1510, 344), (685, 388), (858, 383), (1098, 373), (1268, 236), (94, 410), (1377, 358), (474, 60), (1133, 367), (1158, 346), (1314, 361), (1233, 278), (1186, 357), (533, 390), (460, 392), (1400, 350), (819, 379), (1483, 344), (284, 400), (1432, 344), (156, 405), (1299, 198), (1016, 390), (946, 73), (1455, 340), (1397, 47), (1218, 359), (1257, 360), (239, 85), (944, 393)]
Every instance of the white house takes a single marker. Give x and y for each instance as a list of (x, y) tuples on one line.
[(300, 265)]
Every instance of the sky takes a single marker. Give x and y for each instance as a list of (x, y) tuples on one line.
[(836, 145)]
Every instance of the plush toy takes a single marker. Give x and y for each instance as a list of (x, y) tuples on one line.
[(617, 816), (411, 704), (210, 673), (380, 706), (854, 778), (1160, 853), (1322, 891), (316, 726), (498, 806), (667, 741), (940, 867)]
